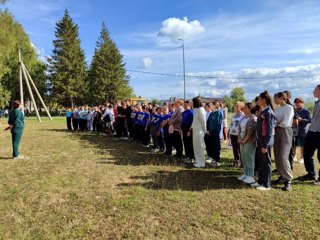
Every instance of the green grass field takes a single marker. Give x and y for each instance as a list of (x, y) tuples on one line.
[(81, 186)]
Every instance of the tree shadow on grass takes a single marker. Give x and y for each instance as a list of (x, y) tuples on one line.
[(188, 180)]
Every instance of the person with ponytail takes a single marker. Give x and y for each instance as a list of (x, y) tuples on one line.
[(265, 138), (283, 139)]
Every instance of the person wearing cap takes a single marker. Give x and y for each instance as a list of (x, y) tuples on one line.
[(16, 125)]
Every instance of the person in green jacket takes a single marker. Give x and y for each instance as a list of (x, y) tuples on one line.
[(16, 125)]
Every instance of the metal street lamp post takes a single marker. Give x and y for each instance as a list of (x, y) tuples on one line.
[(184, 69)]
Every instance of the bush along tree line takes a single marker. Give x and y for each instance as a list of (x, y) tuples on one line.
[(64, 79)]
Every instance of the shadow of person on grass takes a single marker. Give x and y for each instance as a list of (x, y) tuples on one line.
[(187, 180)]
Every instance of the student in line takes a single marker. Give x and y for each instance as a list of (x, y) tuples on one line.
[(283, 139), (175, 121), (265, 139), (75, 119), (304, 118), (247, 140), (120, 121), (90, 119), (154, 119), (186, 122), (295, 128), (213, 134), (159, 131), (69, 119), (165, 127), (234, 131), (198, 131), (145, 128), (225, 120), (312, 141)]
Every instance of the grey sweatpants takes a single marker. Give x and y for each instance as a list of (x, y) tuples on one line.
[(282, 145)]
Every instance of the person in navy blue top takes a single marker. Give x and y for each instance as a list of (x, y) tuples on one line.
[(265, 139), (154, 119), (133, 117), (145, 127), (69, 118), (165, 126), (304, 118), (159, 130), (186, 122), (139, 124)]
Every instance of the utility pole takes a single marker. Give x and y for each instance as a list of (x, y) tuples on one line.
[(184, 69)]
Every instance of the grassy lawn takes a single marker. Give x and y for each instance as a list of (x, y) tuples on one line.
[(81, 186)]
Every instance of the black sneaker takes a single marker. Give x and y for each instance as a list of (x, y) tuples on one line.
[(287, 187), (307, 177), (278, 181)]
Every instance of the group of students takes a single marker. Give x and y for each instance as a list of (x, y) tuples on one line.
[(254, 130)]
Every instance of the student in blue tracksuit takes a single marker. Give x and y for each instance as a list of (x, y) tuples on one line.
[(145, 127), (214, 133), (186, 122), (165, 126), (154, 120), (265, 139), (132, 130), (159, 131), (139, 124), (69, 118)]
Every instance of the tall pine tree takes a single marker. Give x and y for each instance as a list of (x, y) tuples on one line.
[(67, 65), (107, 75)]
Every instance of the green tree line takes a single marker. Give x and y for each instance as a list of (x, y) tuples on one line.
[(65, 78)]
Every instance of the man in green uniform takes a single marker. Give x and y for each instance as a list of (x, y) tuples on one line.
[(16, 125)]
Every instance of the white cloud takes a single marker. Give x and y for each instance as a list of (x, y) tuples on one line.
[(175, 28), (147, 62)]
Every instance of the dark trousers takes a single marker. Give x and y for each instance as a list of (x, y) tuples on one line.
[(213, 146), (154, 136), (291, 153), (187, 143), (131, 130), (144, 135), (75, 123), (83, 124), (235, 147), (16, 134), (256, 160), (161, 141), (167, 140), (265, 168), (311, 144), (177, 142), (69, 123), (121, 129)]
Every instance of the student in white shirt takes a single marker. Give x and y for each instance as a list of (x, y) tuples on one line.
[(283, 139), (234, 131), (198, 131)]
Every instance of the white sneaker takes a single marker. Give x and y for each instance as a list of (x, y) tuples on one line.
[(295, 159), (262, 188), (198, 166), (301, 161), (255, 185), (249, 180), (20, 157), (209, 160), (242, 177), (317, 183)]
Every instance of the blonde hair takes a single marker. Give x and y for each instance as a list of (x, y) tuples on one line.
[(179, 102)]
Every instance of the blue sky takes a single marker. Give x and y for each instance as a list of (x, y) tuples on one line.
[(255, 44)]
